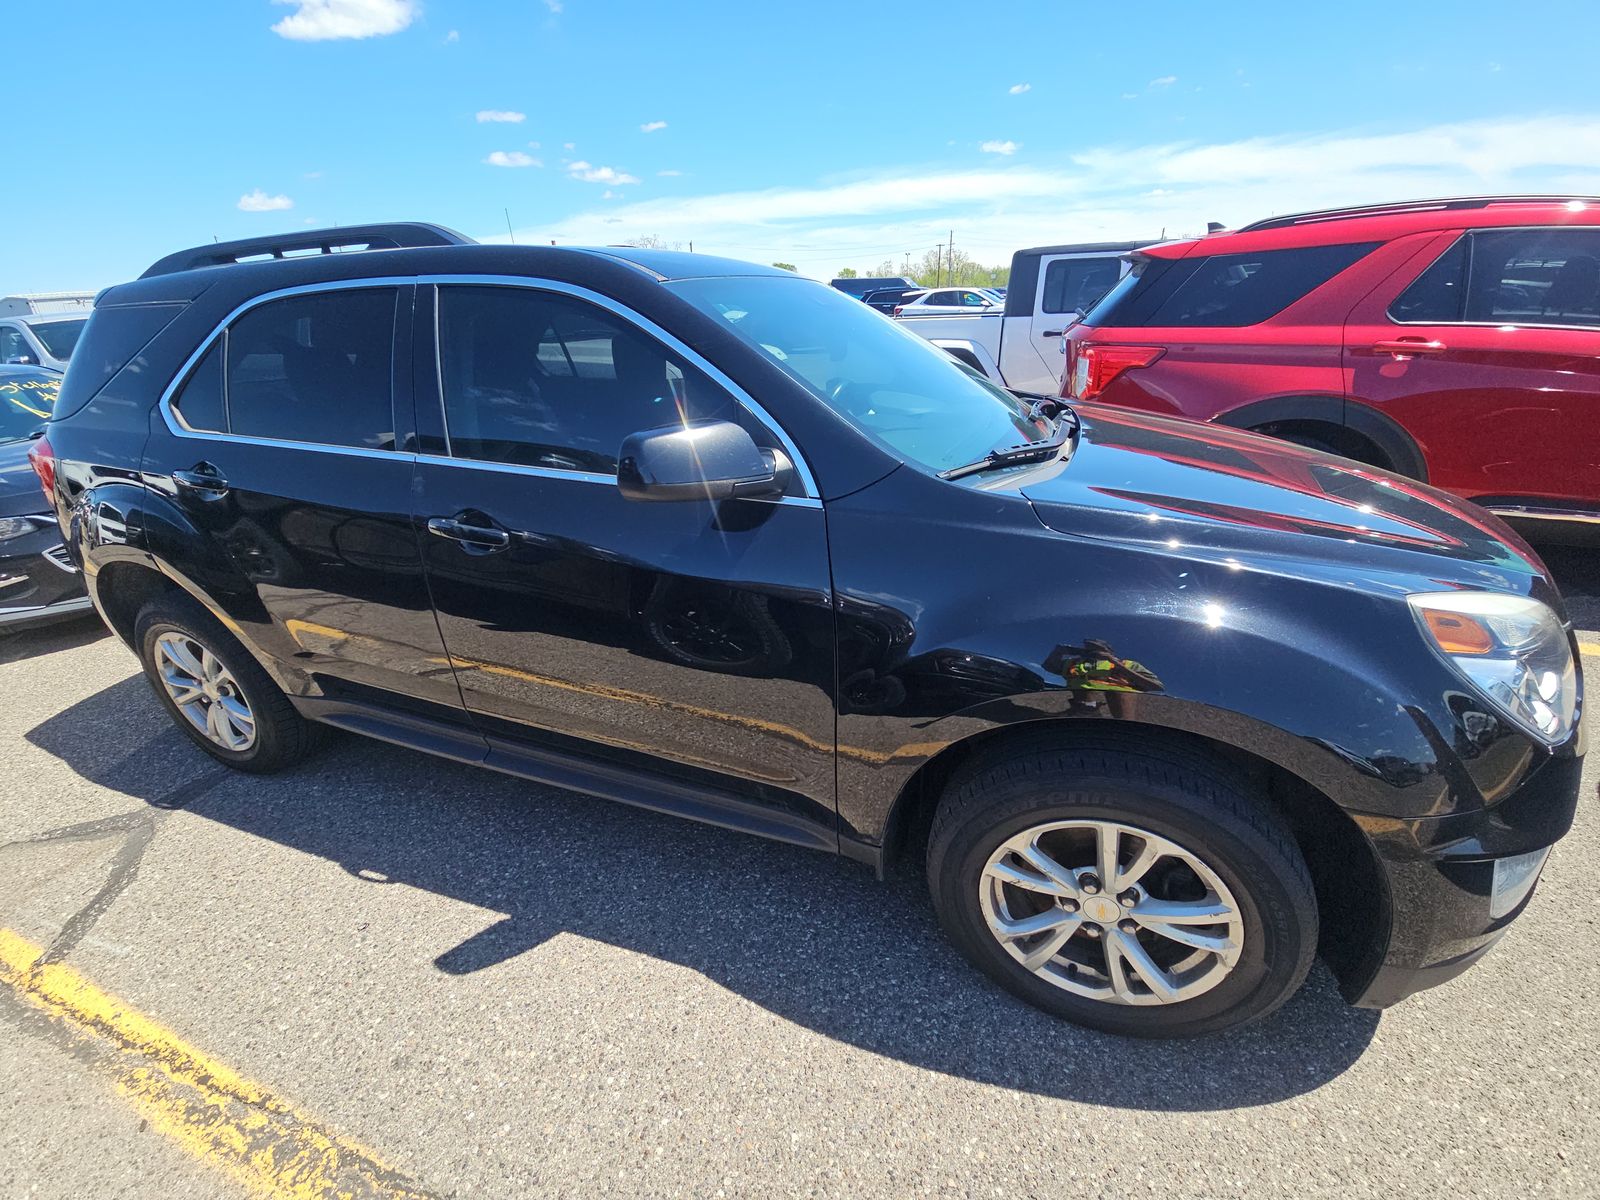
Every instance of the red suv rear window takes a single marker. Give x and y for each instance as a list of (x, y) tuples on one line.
[(1221, 289)]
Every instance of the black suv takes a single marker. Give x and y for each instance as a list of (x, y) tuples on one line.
[(1167, 707)]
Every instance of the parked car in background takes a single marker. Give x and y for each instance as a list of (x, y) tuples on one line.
[(1018, 343), (38, 581), (1205, 704), (40, 341), (943, 301), (1456, 341), (886, 300), (860, 286)]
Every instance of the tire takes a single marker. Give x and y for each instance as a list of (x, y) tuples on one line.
[(1061, 795), (280, 736)]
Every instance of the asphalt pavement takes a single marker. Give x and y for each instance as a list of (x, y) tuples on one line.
[(383, 974)]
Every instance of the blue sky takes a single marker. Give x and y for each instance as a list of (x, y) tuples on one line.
[(824, 134)]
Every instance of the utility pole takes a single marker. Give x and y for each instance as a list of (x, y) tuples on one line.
[(512, 233)]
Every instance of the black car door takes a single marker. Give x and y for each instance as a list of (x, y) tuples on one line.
[(689, 638), (285, 501)]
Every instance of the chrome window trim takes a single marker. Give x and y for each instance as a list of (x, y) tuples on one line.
[(180, 428), (481, 464), (807, 481)]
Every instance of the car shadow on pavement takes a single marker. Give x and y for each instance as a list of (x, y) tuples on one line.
[(19, 645), (812, 938)]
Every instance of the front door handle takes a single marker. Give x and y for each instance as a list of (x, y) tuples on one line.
[(203, 479), (1406, 347), (484, 539)]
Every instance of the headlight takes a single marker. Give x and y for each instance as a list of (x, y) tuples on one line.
[(1511, 649), (15, 527)]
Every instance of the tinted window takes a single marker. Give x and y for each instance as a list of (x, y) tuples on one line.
[(199, 401), (111, 341), (1221, 290), (1243, 289), (1535, 277), (1435, 297), (315, 368), (1074, 284), (60, 338), (544, 380)]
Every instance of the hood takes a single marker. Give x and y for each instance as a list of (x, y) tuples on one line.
[(20, 494), (1211, 491)]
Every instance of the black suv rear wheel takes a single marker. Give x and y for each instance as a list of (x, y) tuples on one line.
[(216, 692), (1143, 893)]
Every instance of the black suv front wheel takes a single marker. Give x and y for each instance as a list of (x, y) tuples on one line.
[(1143, 893), (216, 692)]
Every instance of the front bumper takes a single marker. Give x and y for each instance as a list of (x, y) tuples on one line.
[(1444, 911), (38, 581)]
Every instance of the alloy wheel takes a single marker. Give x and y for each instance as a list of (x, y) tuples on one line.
[(205, 691), (1111, 912)]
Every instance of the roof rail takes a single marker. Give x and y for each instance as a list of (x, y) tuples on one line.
[(1408, 206), (310, 242)]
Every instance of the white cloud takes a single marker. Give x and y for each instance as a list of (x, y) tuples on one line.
[(506, 116), (259, 201), (1102, 193), (1007, 148), (555, 6), (569, 145), (1016, 89), (1164, 81), (669, 173), (312, 175), (453, 36), (533, 145), (589, 173), (324, 20), (608, 194), (512, 158), (652, 126)]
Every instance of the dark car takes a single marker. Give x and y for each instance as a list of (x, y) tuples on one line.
[(886, 300), (38, 580), (1456, 341), (1165, 708), (860, 286)]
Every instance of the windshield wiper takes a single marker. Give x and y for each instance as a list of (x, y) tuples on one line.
[(1064, 425)]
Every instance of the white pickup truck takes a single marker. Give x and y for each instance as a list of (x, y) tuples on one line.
[(1050, 287)]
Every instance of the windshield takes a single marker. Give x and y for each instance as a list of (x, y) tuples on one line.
[(26, 398), (908, 396), (60, 338)]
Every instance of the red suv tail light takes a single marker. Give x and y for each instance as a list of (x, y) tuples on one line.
[(898, 309), (1091, 366), (43, 460)]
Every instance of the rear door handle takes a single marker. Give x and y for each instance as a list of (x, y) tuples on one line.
[(485, 539), (203, 479), (1406, 347), (1053, 333)]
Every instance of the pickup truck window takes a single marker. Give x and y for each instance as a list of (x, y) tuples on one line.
[(904, 393), (1074, 284)]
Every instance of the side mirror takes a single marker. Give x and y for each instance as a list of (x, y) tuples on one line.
[(704, 460)]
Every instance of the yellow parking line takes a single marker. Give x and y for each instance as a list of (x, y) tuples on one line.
[(1592, 648), (214, 1113)]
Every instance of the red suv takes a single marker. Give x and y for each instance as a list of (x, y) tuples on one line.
[(1455, 341)]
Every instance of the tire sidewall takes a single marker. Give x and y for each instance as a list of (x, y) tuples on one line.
[(1269, 968), (239, 665)]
